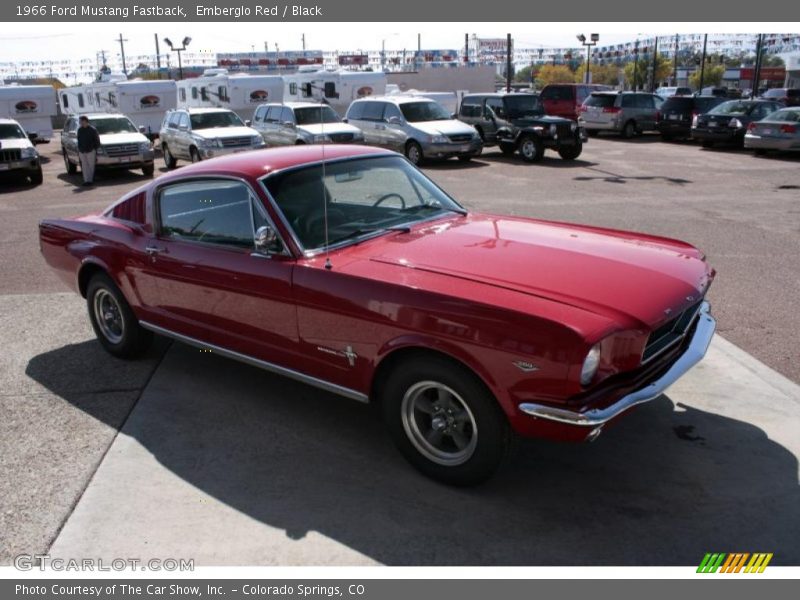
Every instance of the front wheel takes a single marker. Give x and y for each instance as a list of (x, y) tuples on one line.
[(148, 170), (629, 130), (169, 160), (444, 421), (194, 155), (36, 177), (68, 165), (571, 152), (414, 153), (531, 148), (116, 327)]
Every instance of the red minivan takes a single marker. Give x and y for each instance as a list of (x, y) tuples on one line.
[(564, 99)]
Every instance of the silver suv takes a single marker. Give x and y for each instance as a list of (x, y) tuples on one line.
[(303, 123), (17, 153), (418, 127), (627, 113), (198, 133), (122, 145)]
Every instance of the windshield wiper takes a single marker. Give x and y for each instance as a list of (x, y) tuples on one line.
[(368, 230), (421, 207)]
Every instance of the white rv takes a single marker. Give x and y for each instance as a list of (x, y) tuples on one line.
[(336, 88), (32, 106), (143, 101), (238, 92), (449, 100)]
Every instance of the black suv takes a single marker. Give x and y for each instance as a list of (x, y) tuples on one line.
[(516, 122), (679, 112)]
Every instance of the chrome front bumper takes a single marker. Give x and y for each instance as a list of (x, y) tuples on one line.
[(696, 350)]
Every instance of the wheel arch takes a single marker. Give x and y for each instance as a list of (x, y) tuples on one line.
[(88, 269)]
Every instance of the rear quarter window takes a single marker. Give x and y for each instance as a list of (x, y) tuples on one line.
[(600, 100), (558, 92), (133, 209)]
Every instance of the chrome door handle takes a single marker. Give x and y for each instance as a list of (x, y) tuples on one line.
[(152, 250)]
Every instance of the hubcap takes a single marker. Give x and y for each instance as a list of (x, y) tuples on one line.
[(439, 423), (413, 154), (108, 316), (528, 148)]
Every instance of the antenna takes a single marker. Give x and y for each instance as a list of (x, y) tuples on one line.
[(328, 264)]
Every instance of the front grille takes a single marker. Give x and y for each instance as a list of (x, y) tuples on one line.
[(234, 142), (669, 333), (10, 154), (116, 150), (564, 130), (460, 138), (341, 138)]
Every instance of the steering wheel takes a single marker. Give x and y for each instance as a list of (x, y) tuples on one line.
[(380, 200), (316, 220)]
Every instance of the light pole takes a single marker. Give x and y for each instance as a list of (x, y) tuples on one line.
[(185, 42), (595, 37)]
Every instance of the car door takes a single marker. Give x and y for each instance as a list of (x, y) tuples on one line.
[(495, 118), (372, 126), (287, 127), (393, 135), (646, 109), (69, 139), (211, 284), (183, 136), (258, 120), (269, 127)]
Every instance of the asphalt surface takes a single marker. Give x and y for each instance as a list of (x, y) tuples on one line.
[(743, 211)]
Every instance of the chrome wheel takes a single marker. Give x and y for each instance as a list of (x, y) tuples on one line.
[(528, 148), (414, 154), (439, 423), (108, 316)]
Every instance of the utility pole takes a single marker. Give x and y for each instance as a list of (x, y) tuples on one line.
[(675, 62), (703, 63), (303, 37), (466, 48), (122, 51), (655, 62), (635, 65), (158, 56), (757, 66), (508, 62)]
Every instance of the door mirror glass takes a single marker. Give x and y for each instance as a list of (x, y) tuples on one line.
[(248, 122), (266, 240)]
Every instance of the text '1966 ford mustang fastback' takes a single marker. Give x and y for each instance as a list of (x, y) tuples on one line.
[(347, 268)]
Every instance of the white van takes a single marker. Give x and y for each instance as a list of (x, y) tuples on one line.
[(32, 106)]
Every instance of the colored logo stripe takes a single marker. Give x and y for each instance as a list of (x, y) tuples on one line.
[(734, 562)]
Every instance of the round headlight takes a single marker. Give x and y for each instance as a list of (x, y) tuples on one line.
[(590, 365)]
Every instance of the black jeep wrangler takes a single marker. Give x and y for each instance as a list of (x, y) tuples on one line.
[(516, 122)]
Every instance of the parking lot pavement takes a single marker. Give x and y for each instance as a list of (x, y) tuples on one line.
[(226, 464), (62, 400)]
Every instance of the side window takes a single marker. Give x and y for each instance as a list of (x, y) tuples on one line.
[(581, 93), (194, 93), (628, 101), (287, 116), (183, 94), (184, 120), (259, 114), (293, 88), (223, 94), (203, 93), (496, 104), (644, 101), (391, 111), (215, 212), (65, 100), (356, 110), (273, 114), (80, 101), (470, 107), (373, 111)]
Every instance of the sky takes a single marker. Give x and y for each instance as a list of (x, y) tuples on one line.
[(48, 41)]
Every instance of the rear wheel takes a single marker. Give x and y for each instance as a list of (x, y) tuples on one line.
[(113, 321), (195, 155), (531, 148), (629, 130), (571, 152), (148, 170), (414, 152), (68, 165), (169, 160), (444, 421)]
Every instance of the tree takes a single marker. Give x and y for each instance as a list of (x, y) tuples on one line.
[(523, 75), (712, 76), (602, 74), (554, 74), (644, 70)]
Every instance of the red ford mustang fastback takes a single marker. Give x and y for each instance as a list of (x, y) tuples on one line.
[(348, 269)]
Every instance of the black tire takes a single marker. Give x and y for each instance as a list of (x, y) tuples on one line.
[(169, 160), (667, 137), (438, 385), (592, 132), (465, 157), (507, 148), (36, 177), (148, 170), (414, 153), (194, 154), (68, 165), (760, 152), (629, 130), (530, 148), (571, 152), (116, 327), (707, 144)]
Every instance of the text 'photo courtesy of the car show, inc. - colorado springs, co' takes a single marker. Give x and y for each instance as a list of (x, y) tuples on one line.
[(366, 301)]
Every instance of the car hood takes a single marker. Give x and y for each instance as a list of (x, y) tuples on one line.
[(540, 120), (328, 128), (19, 143), (122, 138), (612, 273), (449, 127), (225, 132)]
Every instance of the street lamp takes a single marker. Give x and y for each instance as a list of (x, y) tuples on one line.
[(185, 42), (595, 37)]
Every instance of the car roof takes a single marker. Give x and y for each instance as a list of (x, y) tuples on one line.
[(296, 104), (5, 121), (396, 99), (257, 163), (197, 110), (98, 115)]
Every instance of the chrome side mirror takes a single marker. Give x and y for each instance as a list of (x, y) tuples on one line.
[(394, 120), (266, 240)]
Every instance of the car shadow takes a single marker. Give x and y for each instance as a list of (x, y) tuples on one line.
[(641, 138), (454, 164), (611, 177), (666, 485), (105, 179), (550, 159)]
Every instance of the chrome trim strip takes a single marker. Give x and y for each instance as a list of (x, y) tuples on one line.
[(698, 346), (678, 339), (261, 364)]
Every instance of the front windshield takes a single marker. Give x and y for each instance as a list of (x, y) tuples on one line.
[(733, 107), (428, 110), (315, 115), (522, 105), (216, 119), (11, 131), (365, 196), (118, 125)]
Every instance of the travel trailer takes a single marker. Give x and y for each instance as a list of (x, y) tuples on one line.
[(336, 88), (32, 106), (238, 92), (449, 100), (143, 101)]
